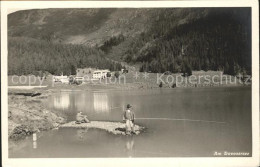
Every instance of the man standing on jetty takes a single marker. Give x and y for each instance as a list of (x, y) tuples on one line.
[(129, 118)]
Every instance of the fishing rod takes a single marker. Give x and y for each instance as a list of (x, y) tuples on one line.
[(174, 119)]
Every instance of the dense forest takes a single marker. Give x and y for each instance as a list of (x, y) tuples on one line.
[(219, 41), (27, 56), (156, 40), (113, 41)]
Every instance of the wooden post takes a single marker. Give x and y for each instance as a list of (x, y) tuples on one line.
[(34, 137)]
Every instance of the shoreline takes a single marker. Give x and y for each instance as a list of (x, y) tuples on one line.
[(65, 88), (135, 81), (27, 114), (27, 104)]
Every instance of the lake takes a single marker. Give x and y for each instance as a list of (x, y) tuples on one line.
[(183, 122)]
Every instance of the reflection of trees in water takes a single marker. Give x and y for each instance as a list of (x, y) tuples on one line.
[(62, 101), (101, 102)]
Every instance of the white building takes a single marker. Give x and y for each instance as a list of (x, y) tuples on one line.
[(62, 79), (84, 71), (100, 74)]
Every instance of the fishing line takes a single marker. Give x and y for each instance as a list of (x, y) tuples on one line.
[(173, 119), (112, 108)]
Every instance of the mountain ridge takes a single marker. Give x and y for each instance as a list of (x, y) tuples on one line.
[(160, 39)]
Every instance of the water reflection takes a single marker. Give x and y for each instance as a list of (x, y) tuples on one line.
[(163, 138), (130, 146), (34, 140), (100, 102), (34, 144), (62, 101), (81, 101), (81, 133)]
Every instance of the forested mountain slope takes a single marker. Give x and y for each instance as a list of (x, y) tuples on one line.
[(219, 40), (157, 40)]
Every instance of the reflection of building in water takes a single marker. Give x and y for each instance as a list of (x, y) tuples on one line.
[(62, 101), (81, 101), (101, 102)]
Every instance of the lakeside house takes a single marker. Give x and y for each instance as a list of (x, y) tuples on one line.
[(62, 78), (80, 72), (124, 71), (100, 74), (84, 74)]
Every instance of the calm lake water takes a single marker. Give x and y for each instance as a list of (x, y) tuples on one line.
[(229, 107)]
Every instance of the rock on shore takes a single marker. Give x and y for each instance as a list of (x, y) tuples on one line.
[(116, 128), (27, 114)]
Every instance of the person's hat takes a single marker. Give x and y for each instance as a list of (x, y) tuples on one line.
[(128, 106)]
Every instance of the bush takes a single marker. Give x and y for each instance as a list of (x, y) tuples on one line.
[(186, 68), (161, 84), (108, 74), (116, 74), (189, 71)]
